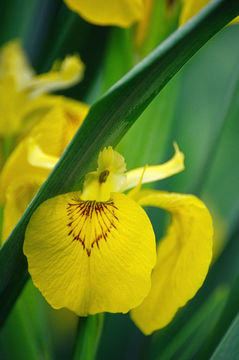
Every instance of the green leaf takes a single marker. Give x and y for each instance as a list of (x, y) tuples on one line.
[(107, 122), (229, 346), (188, 340)]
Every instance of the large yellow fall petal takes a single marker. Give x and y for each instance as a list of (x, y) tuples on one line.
[(184, 255), (91, 256), (19, 195), (106, 12), (156, 172)]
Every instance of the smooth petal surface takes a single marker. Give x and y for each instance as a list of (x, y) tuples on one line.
[(91, 257), (155, 173), (106, 12), (184, 256), (18, 197)]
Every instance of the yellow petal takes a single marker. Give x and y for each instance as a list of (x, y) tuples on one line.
[(106, 12), (108, 178), (69, 73), (11, 103), (184, 255), (91, 256), (51, 135), (155, 173), (36, 157), (35, 109), (192, 7), (16, 166), (18, 197), (14, 63), (143, 25)]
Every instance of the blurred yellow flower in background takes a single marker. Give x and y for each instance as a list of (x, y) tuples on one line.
[(22, 91), (94, 251), (34, 157)]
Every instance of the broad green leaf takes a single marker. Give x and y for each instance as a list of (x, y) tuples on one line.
[(107, 122), (229, 346)]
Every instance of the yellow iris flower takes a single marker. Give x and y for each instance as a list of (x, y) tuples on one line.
[(34, 157), (22, 92), (95, 251)]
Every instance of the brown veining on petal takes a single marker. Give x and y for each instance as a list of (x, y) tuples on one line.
[(91, 221)]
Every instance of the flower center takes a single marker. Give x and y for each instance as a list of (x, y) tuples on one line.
[(109, 177)]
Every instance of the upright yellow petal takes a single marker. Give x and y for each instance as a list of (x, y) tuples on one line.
[(155, 173), (14, 63), (18, 197), (90, 256), (107, 12), (184, 256), (67, 74)]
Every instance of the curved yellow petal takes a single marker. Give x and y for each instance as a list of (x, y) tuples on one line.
[(36, 157), (90, 256), (70, 72), (35, 109), (155, 173), (19, 195), (14, 63), (16, 166), (184, 256), (51, 135), (106, 12)]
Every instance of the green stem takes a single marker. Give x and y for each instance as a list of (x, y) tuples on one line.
[(88, 337)]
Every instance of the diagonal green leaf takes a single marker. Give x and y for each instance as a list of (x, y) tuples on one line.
[(106, 123), (229, 346)]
